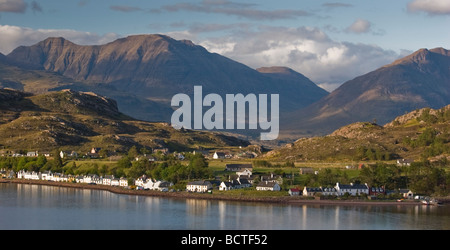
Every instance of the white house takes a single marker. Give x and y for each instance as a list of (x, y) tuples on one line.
[(268, 186), (246, 172), (352, 189), (226, 185), (312, 191), (404, 162), (32, 154), (198, 186), (123, 182), (294, 191), (277, 178), (329, 191), (149, 184), (64, 154), (28, 175), (47, 175), (139, 182), (92, 178), (219, 155), (106, 180), (115, 182), (234, 184)]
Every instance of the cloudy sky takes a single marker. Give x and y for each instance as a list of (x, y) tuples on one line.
[(328, 41)]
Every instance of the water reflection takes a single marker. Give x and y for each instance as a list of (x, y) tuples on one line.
[(46, 207)]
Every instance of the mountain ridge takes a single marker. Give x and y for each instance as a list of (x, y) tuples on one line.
[(156, 67), (419, 80)]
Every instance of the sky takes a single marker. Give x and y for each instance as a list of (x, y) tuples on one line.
[(328, 41)]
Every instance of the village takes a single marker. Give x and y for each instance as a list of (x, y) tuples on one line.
[(240, 176)]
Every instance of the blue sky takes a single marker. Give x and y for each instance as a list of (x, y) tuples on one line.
[(328, 41)]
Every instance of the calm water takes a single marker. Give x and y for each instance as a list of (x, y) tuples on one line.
[(43, 207)]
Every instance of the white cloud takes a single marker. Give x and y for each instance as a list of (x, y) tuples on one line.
[(12, 37), (307, 50), (359, 26), (432, 7), (17, 6)]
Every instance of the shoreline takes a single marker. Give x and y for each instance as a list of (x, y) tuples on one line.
[(284, 200)]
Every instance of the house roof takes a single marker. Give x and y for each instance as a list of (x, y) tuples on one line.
[(352, 186), (313, 189), (267, 184), (199, 183)]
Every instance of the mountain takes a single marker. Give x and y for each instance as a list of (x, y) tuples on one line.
[(78, 121), (420, 134), (419, 80), (38, 81), (156, 67)]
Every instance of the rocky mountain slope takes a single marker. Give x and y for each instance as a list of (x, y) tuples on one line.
[(419, 80), (420, 134), (81, 120)]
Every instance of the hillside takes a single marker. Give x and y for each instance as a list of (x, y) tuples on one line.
[(423, 133), (81, 120), (419, 80), (155, 68)]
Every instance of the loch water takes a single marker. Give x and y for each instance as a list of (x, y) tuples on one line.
[(39, 207)]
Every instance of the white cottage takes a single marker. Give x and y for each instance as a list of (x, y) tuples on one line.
[(268, 186), (123, 182), (198, 186), (352, 189)]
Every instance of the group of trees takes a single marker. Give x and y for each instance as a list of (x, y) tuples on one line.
[(170, 169), (38, 164), (363, 153)]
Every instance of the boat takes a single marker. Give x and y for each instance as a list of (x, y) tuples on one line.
[(435, 202), (431, 202), (426, 202)]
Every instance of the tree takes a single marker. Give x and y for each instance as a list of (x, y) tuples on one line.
[(41, 161), (133, 152), (58, 163), (327, 178), (124, 162)]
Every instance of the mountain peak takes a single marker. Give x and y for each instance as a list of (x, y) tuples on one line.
[(421, 56), (441, 51), (55, 41), (421, 79)]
